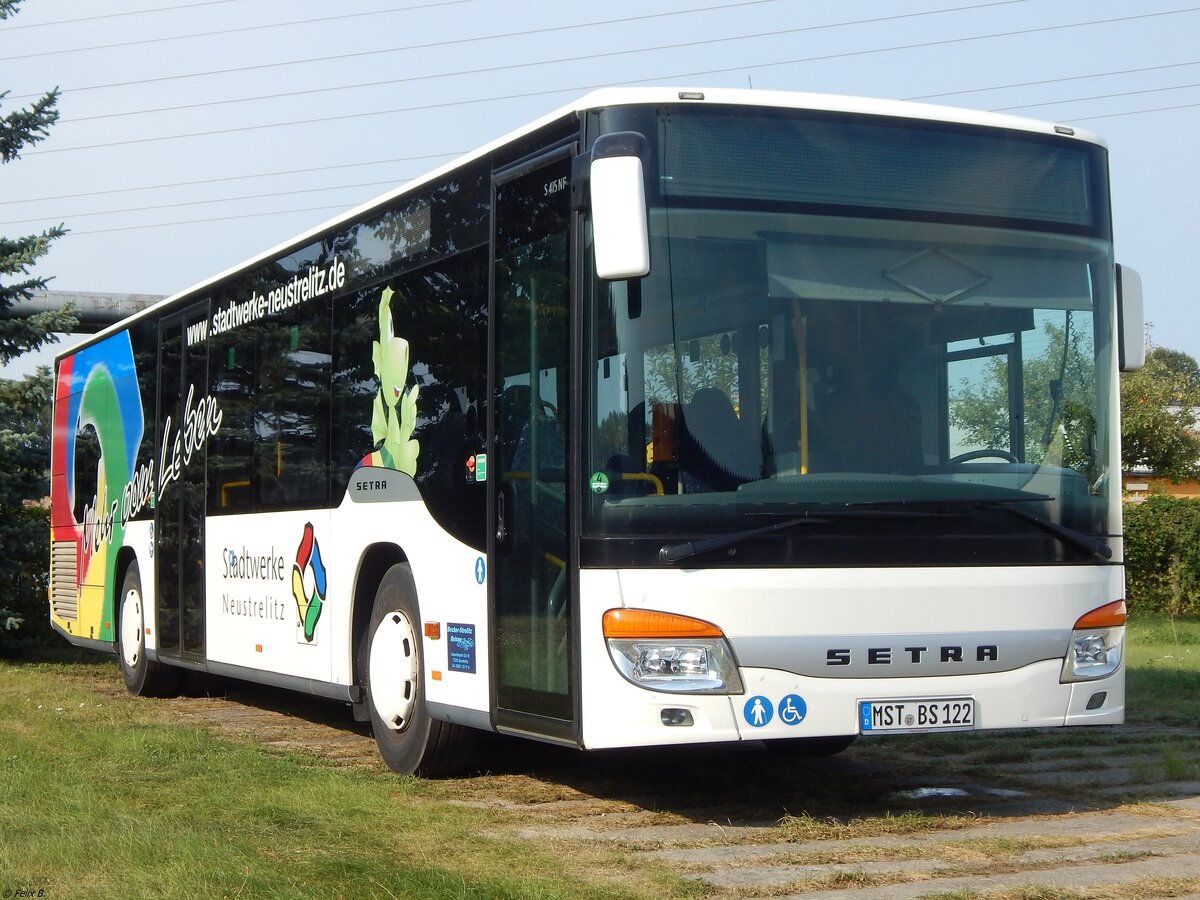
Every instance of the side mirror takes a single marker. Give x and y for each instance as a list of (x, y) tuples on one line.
[(1131, 321), (620, 230)]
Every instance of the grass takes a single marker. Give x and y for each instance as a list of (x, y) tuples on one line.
[(101, 799), (1163, 682), (102, 796), (1162, 689), (796, 828)]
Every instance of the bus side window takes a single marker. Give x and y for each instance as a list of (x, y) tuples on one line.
[(231, 369), (87, 470), (291, 464)]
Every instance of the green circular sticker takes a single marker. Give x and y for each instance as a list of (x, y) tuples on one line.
[(599, 483)]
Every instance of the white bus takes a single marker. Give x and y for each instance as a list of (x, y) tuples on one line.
[(673, 417)]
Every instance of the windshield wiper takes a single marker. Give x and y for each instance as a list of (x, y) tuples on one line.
[(1077, 539), (673, 553)]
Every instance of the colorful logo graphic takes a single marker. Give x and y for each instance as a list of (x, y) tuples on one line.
[(98, 424), (308, 582)]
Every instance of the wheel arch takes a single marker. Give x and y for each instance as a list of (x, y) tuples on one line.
[(372, 565), (126, 557)]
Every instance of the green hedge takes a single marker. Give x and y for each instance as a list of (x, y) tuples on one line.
[(1162, 555)]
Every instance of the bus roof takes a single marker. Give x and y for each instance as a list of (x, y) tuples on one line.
[(630, 96)]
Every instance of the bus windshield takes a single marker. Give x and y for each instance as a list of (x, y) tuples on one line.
[(890, 337)]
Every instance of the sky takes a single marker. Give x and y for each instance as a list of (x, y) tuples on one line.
[(196, 135)]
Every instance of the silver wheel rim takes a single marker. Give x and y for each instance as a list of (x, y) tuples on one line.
[(131, 628), (394, 670)]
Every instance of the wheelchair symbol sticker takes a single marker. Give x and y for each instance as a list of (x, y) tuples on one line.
[(758, 711), (792, 709)]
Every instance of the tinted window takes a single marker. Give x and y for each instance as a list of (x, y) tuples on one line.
[(409, 381), (271, 379)]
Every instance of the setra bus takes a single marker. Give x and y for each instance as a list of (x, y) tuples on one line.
[(672, 417)]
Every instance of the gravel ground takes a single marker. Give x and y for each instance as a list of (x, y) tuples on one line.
[(1100, 812)]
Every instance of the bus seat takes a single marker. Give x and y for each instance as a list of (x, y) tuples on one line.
[(875, 429), (716, 451)]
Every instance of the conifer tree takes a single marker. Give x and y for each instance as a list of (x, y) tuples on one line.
[(19, 129), (24, 404)]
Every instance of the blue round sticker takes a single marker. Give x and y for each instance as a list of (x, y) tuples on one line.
[(480, 571), (792, 709), (758, 711)]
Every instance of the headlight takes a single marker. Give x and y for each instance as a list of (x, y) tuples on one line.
[(1097, 644), (666, 652)]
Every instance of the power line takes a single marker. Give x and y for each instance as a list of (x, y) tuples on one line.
[(580, 88), (241, 29), (399, 181), (255, 215), (403, 180), (363, 53), (176, 184), (1020, 84), (430, 45), (525, 65), (515, 96), (75, 233), (1177, 87), (132, 209), (120, 15), (365, 163), (736, 68), (1135, 112)]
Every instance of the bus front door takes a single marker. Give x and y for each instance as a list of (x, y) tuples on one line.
[(530, 583), (179, 507)]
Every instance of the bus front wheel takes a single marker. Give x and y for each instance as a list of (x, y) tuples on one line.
[(391, 670), (143, 678)]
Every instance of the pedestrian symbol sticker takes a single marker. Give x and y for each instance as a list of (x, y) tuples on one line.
[(792, 709), (480, 570), (758, 711)]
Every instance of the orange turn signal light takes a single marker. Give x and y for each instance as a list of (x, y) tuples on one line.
[(1110, 615), (642, 624)]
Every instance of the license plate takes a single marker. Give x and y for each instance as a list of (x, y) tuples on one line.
[(940, 714)]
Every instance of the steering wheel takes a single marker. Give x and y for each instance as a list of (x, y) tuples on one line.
[(985, 453)]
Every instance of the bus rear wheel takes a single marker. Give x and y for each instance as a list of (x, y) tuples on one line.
[(143, 678), (391, 670)]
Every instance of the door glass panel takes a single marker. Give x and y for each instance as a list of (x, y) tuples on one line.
[(167, 523), (183, 383), (532, 583)]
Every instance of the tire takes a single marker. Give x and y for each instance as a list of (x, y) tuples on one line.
[(391, 672), (143, 678), (812, 747)]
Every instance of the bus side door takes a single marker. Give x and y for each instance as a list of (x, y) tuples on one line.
[(530, 572), (179, 510)]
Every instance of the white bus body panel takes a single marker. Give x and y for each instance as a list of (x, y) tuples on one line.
[(451, 581), (139, 537), (252, 617), (255, 621), (819, 608)]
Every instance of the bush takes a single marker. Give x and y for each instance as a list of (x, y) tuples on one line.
[(24, 577), (1162, 555)]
